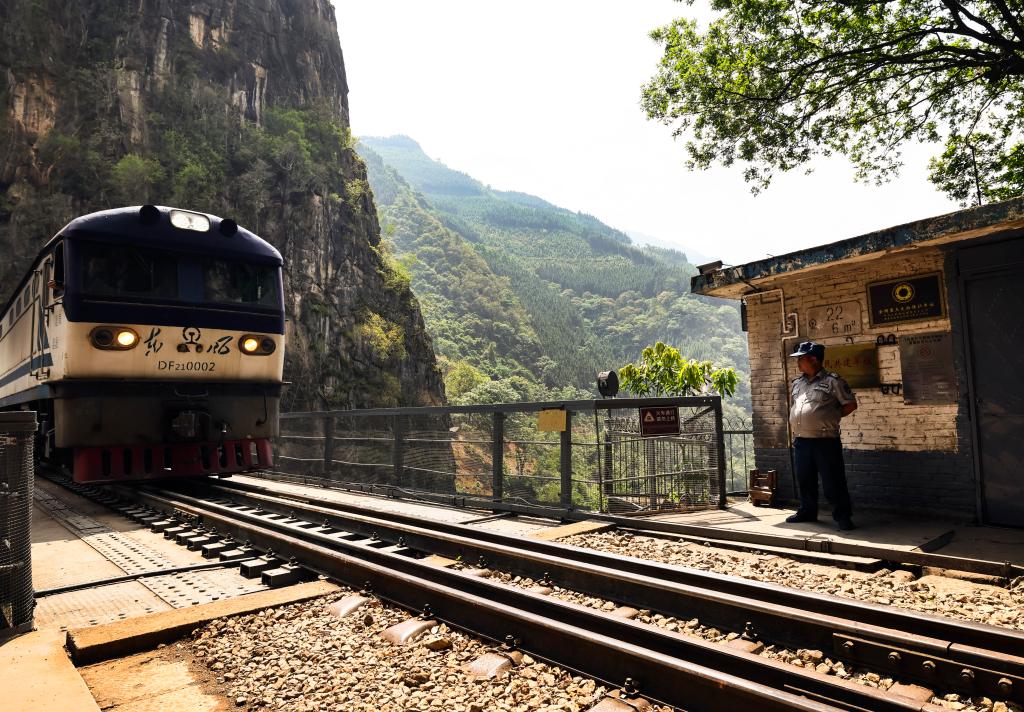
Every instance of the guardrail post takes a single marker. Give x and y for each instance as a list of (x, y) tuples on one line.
[(397, 450), (565, 462), (720, 445), (608, 486), (328, 445), (498, 456), (609, 462)]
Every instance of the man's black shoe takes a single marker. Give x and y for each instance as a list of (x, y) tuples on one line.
[(845, 525), (798, 517)]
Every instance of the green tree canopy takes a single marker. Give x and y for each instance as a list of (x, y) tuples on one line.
[(133, 178), (462, 378), (772, 83), (662, 371)]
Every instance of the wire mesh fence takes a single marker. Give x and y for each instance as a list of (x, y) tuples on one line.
[(16, 479), (739, 453), (593, 455), (677, 472)]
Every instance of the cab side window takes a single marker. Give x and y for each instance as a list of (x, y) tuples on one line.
[(56, 281)]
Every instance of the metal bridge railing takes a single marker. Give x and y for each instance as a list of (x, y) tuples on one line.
[(17, 470), (498, 456)]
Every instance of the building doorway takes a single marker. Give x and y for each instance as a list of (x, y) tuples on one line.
[(993, 289)]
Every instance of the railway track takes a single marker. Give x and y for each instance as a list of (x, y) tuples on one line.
[(379, 552), (809, 548)]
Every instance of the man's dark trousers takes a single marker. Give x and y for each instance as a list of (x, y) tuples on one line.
[(822, 456)]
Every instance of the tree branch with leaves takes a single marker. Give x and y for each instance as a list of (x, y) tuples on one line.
[(770, 84), (662, 371)]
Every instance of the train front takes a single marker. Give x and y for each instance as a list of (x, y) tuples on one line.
[(171, 358)]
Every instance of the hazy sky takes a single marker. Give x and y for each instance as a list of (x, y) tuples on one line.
[(543, 97)]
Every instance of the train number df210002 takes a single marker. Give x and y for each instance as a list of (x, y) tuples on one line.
[(185, 365)]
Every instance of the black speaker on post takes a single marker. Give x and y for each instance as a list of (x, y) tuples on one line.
[(607, 384)]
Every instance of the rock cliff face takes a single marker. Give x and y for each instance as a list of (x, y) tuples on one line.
[(234, 107)]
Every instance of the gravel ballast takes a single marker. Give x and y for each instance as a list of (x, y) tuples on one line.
[(805, 658), (301, 658), (935, 595)]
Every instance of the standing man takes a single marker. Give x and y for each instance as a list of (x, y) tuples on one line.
[(820, 400)]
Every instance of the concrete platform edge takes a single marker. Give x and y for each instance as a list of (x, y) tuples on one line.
[(587, 526), (134, 635), (857, 562), (36, 675)]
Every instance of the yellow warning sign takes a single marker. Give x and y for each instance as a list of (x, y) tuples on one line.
[(551, 420)]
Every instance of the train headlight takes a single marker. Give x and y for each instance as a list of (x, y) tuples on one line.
[(255, 345), (114, 338), (184, 220)]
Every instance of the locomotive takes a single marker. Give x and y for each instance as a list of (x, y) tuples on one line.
[(150, 340)]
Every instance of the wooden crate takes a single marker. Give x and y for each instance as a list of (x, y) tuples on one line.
[(761, 487)]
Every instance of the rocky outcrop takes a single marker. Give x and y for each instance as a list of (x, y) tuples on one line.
[(235, 107)]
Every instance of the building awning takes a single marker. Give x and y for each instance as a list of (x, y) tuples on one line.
[(972, 223)]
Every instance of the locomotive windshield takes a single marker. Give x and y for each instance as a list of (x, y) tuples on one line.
[(239, 283), (125, 273), (116, 270)]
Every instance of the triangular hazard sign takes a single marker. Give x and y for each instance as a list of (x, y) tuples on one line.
[(649, 417)]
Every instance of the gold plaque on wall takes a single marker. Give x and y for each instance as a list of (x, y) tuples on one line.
[(856, 363)]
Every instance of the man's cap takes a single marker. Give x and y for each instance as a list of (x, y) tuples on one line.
[(810, 348)]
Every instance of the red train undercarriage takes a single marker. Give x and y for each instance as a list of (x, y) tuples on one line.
[(116, 463)]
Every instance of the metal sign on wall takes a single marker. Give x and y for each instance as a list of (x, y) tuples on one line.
[(551, 420), (909, 299), (927, 364), (856, 363), (659, 421), (842, 319)]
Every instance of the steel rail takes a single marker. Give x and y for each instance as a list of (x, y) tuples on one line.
[(669, 667), (800, 619), (1001, 569), (962, 632)]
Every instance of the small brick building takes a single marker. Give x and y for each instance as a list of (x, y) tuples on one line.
[(926, 321)]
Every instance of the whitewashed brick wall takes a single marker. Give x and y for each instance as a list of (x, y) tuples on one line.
[(881, 422)]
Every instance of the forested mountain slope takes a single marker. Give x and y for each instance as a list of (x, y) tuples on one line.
[(471, 310), (513, 284)]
